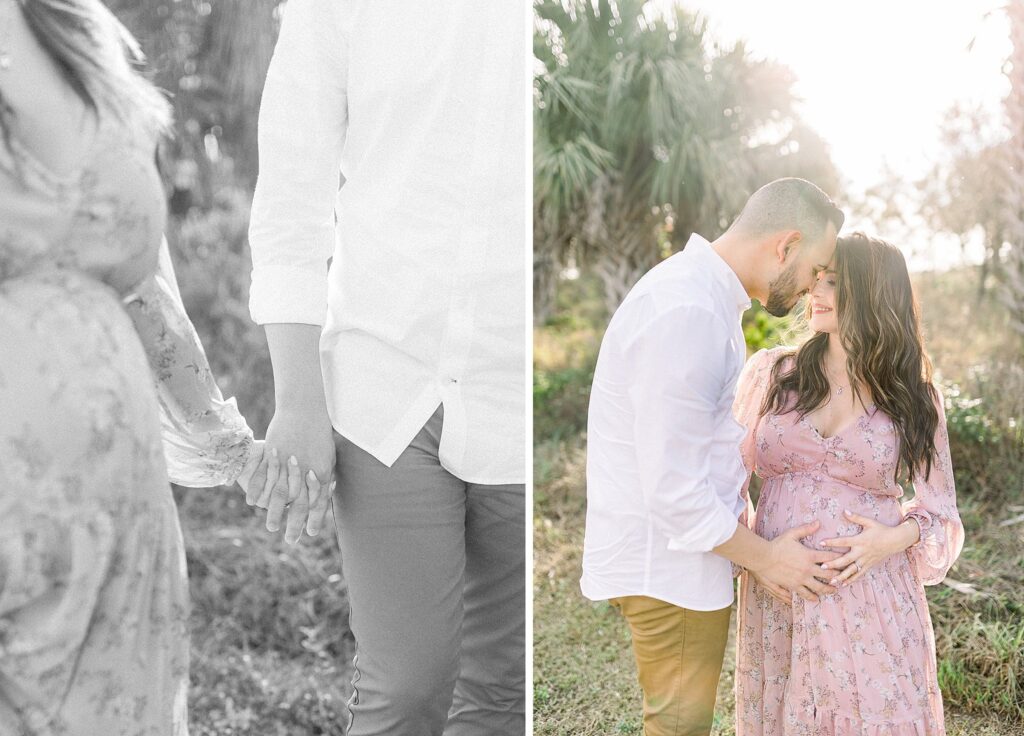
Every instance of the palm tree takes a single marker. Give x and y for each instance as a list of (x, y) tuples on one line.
[(642, 137)]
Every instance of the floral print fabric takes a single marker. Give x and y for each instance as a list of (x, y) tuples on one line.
[(93, 590), (861, 660)]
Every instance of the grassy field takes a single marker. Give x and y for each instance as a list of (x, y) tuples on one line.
[(584, 675), (271, 648)]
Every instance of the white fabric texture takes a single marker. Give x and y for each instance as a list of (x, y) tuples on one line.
[(423, 115), (664, 470)]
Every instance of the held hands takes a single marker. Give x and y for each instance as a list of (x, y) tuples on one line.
[(790, 566), (302, 484), (874, 543), (251, 464)]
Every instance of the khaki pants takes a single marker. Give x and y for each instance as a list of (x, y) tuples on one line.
[(679, 656)]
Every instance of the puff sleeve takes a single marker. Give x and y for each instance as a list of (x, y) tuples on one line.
[(206, 440), (934, 508)]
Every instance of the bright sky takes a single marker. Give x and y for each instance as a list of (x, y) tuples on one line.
[(876, 77)]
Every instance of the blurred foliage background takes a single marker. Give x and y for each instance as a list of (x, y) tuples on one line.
[(645, 131), (271, 648)]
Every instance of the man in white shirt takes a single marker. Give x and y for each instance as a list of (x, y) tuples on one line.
[(664, 472), (403, 363)]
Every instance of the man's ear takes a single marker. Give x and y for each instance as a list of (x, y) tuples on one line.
[(786, 242)]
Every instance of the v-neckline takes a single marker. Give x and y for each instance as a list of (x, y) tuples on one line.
[(872, 409)]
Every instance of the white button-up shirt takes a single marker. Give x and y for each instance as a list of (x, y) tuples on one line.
[(664, 472), (422, 110)]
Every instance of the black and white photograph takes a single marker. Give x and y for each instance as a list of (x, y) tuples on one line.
[(551, 367), (263, 361)]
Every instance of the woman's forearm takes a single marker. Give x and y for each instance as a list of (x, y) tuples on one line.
[(907, 534)]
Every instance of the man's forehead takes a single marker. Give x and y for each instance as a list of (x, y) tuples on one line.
[(827, 246), (831, 233), (830, 265)]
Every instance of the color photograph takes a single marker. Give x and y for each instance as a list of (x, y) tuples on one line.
[(778, 374)]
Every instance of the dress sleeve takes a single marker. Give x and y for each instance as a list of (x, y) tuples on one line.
[(934, 509), (750, 392), (206, 441)]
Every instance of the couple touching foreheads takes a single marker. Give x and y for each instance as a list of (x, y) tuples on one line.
[(833, 634)]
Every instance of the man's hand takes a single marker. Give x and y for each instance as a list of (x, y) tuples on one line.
[(307, 441), (300, 438), (790, 566), (775, 591), (783, 564)]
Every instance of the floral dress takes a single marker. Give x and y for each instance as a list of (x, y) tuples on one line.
[(105, 395), (862, 660)]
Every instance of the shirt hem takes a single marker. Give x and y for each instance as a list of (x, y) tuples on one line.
[(590, 593), (397, 441), (517, 481)]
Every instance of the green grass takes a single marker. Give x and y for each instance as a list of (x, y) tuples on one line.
[(585, 678)]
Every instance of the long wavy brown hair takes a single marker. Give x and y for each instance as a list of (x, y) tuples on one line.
[(880, 329)]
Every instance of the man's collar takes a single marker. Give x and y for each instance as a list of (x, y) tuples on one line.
[(724, 271)]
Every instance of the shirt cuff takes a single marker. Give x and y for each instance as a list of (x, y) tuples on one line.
[(717, 529), (286, 294)]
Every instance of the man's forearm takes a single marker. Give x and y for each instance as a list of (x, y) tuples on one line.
[(746, 549), (295, 355)]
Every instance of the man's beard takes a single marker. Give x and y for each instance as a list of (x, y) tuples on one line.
[(782, 293)]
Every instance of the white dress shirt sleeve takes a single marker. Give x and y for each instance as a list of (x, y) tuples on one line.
[(302, 126), (680, 364)]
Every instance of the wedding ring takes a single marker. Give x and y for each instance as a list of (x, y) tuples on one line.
[(858, 565)]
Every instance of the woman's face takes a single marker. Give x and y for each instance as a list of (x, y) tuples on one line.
[(823, 302)]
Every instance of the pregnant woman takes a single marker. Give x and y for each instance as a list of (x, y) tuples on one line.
[(833, 428), (93, 593)]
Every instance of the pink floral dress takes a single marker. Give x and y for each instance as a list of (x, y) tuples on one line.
[(860, 661)]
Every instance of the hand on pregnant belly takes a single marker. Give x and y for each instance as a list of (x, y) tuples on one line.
[(875, 542), (792, 567)]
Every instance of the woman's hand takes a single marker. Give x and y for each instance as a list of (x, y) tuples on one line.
[(874, 543), (255, 456), (297, 443)]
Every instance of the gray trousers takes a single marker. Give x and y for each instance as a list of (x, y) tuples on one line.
[(435, 569)]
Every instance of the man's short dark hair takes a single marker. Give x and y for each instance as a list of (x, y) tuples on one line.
[(789, 204)]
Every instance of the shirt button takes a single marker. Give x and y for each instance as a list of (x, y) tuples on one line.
[(453, 380)]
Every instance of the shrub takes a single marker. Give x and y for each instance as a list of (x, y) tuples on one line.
[(986, 433)]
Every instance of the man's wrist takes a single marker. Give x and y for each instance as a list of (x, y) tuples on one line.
[(311, 408), (763, 561), (747, 550)]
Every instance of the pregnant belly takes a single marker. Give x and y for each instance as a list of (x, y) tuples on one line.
[(79, 409), (791, 500)]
